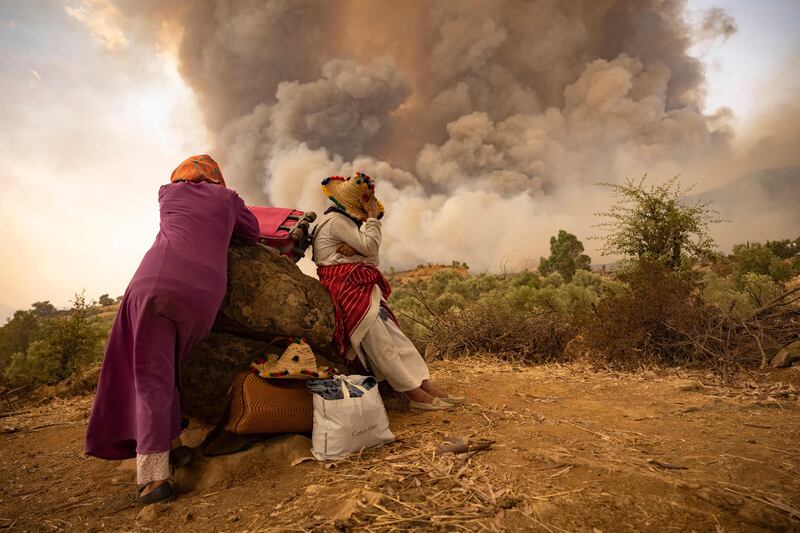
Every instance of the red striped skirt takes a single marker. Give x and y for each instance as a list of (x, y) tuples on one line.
[(350, 286)]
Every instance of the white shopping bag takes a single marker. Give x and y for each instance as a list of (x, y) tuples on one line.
[(350, 424)]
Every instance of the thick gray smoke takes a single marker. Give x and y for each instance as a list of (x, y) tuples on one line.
[(486, 123)]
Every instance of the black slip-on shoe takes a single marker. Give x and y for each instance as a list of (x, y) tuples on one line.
[(163, 493)]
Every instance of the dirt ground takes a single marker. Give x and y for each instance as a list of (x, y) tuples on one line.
[(574, 449)]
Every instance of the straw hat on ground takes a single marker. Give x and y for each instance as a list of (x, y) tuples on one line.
[(347, 193), (297, 362)]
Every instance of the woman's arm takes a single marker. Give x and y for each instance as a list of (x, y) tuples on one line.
[(366, 243), (246, 225)]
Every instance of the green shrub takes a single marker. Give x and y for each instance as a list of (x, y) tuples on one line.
[(759, 259), (18, 333), (784, 248), (566, 256), (33, 367), (77, 339), (419, 305), (655, 224), (739, 300), (54, 347)]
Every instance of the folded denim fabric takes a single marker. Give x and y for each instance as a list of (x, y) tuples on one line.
[(331, 389)]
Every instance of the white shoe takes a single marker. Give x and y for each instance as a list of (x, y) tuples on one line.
[(456, 400), (436, 405)]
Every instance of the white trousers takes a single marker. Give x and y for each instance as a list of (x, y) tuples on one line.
[(152, 467), (392, 356)]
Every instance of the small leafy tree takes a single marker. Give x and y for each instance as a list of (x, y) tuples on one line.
[(44, 309), (17, 335), (54, 348), (653, 223), (104, 300), (566, 256), (784, 248), (33, 367), (76, 339), (760, 260)]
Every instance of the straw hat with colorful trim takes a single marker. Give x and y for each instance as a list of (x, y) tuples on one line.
[(297, 362), (347, 193)]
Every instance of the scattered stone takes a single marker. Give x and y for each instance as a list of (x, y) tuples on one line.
[(688, 385), (542, 509), (786, 356), (233, 518), (356, 500), (152, 512), (314, 489), (508, 502)]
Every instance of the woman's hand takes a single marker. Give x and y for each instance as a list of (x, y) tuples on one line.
[(347, 250), (370, 206)]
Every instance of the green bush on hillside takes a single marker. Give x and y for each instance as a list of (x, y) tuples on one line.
[(19, 332), (784, 248), (37, 347), (739, 300), (448, 292), (759, 259), (566, 256), (654, 223)]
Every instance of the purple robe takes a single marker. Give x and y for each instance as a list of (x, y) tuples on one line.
[(168, 307)]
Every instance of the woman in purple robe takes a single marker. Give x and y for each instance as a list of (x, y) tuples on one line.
[(168, 307)]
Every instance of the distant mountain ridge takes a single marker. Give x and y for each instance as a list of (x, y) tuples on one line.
[(774, 191)]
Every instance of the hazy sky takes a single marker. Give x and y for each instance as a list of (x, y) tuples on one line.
[(92, 123), (89, 131), (768, 33)]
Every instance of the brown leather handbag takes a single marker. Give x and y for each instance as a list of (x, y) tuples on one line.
[(269, 406)]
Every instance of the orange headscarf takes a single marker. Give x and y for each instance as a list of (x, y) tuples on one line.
[(198, 168)]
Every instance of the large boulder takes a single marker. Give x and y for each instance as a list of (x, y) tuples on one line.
[(268, 296), (207, 372)]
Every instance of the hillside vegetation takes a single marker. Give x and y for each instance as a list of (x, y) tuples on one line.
[(672, 300)]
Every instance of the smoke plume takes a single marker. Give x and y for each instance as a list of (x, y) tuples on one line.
[(486, 123)]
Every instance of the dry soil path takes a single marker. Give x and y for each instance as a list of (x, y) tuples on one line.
[(574, 450)]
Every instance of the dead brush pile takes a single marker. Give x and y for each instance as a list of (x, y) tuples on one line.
[(658, 318), (495, 326), (661, 319), (642, 324), (714, 337)]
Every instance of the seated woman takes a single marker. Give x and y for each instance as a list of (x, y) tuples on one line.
[(168, 307), (345, 244)]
